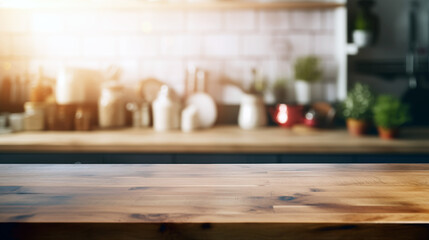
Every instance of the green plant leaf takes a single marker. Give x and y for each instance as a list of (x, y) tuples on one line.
[(358, 103), (308, 69), (390, 112)]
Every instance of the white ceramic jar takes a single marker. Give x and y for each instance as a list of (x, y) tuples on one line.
[(111, 106), (302, 92), (166, 112), (77, 86), (34, 116), (190, 120), (252, 112), (362, 38), (16, 121)]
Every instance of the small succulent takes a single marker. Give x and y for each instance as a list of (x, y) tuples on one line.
[(308, 69), (362, 22), (359, 102), (390, 112)]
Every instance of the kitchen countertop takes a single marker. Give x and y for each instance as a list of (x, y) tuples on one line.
[(330, 201), (221, 139)]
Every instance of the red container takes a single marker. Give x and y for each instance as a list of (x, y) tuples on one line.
[(286, 115)]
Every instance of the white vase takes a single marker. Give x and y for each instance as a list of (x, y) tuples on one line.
[(166, 112), (252, 112), (302, 92), (362, 38)]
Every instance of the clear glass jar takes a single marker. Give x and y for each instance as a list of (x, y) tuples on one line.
[(111, 106)]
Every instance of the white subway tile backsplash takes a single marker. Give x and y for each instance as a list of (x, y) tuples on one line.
[(221, 45), (181, 45), (100, 46), (58, 46), (166, 21), (257, 45), (240, 20), (136, 46), (168, 71), (301, 44), (306, 20), (266, 45), (225, 43), (204, 21), (324, 45), (23, 45), (13, 21), (281, 45), (82, 63), (83, 22), (47, 22), (240, 71), (274, 69), (328, 20), (5, 45), (119, 22), (274, 20)]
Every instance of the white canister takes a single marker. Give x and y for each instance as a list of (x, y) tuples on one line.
[(16, 121), (190, 120), (34, 116), (252, 112), (111, 106), (302, 92), (166, 112), (135, 114), (362, 38), (77, 86)]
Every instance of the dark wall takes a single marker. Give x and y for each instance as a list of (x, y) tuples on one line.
[(392, 42)]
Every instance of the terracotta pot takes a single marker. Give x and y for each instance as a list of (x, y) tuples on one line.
[(387, 134), (357, 127)]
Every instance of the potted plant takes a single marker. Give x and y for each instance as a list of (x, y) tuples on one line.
[(307, 71), (389, 114), (365, 24), (357, 109)]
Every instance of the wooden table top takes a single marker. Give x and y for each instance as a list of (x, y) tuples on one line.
[(288, 193), (223, 139)]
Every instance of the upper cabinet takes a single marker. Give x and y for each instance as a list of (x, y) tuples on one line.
[(172, 4)]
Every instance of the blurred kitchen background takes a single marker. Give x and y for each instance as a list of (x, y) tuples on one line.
[(161, 44), (232, 47), (392, 44)]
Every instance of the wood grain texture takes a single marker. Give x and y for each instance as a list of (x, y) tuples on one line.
[(293, 201), (223, 139), (313, 193)]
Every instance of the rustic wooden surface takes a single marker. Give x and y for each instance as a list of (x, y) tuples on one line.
[(224, 139), (289, 201), (331, 193)]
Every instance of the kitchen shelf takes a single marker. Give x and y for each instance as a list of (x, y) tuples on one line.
[(167, 5), (220, 139)]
